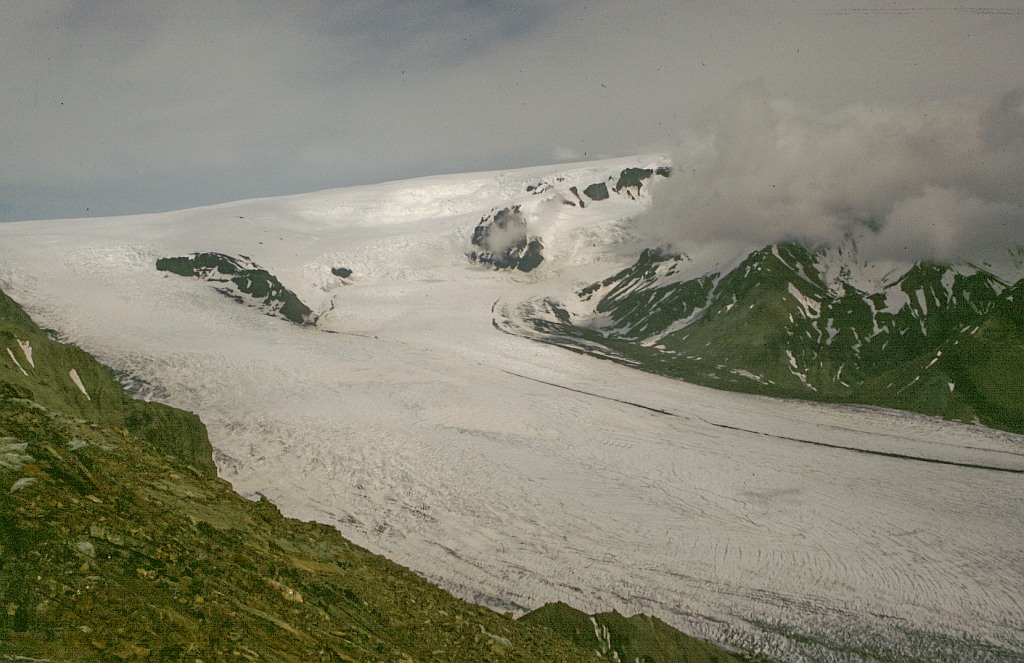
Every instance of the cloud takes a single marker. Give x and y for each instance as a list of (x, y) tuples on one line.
[(936, 181), (428, 33), (121, 106)]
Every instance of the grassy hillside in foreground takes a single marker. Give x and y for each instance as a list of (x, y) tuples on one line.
[(116, 546)]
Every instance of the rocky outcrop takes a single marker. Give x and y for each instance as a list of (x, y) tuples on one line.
[(597, 191), (502, 241), (243, 281)]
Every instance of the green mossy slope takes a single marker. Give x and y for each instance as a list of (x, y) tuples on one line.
[(33, 364), (111, 551), (940, 340)]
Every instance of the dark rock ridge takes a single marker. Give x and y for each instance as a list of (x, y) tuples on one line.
[(342, 272), (117, 547), (502, 239), (630, 182), (503, 243), (244, 281), (633, 177), (629, 177)]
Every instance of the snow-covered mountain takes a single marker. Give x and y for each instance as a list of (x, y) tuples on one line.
[(516, 473), (788, 321)]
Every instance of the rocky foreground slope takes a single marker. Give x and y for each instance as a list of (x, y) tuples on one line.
[(117, 542)]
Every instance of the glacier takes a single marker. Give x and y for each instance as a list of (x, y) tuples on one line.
[(515, 473)]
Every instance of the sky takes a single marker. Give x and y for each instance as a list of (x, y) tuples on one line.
[(114, 107)]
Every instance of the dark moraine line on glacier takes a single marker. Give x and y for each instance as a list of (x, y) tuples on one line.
[(606, 398), (871, 452)]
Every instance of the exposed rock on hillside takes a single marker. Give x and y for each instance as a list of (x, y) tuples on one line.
[(65, 379), (597, 191), (244, 281), (633, 177), (502, 241)]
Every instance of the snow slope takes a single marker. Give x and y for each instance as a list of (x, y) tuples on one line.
[(517, 473)]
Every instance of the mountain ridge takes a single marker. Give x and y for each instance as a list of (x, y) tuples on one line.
[(779, 323)]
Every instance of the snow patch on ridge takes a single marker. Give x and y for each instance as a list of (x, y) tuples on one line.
[(26, 349), (840, 267), (78, 383), (895, 299), (810, 308), (15, 360)]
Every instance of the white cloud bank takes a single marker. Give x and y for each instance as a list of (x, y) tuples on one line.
[(112, 107), (937, 181)]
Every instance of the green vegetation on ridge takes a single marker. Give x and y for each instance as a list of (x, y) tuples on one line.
[(39, 369), (939, 340), (248, 279), (636, 638)]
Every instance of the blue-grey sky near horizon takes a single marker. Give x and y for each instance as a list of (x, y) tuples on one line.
[(126, 107)]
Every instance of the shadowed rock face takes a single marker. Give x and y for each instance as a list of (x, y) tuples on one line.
[(502, 242), (244, 281)]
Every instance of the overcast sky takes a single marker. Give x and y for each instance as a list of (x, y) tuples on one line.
[(115, 107)]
